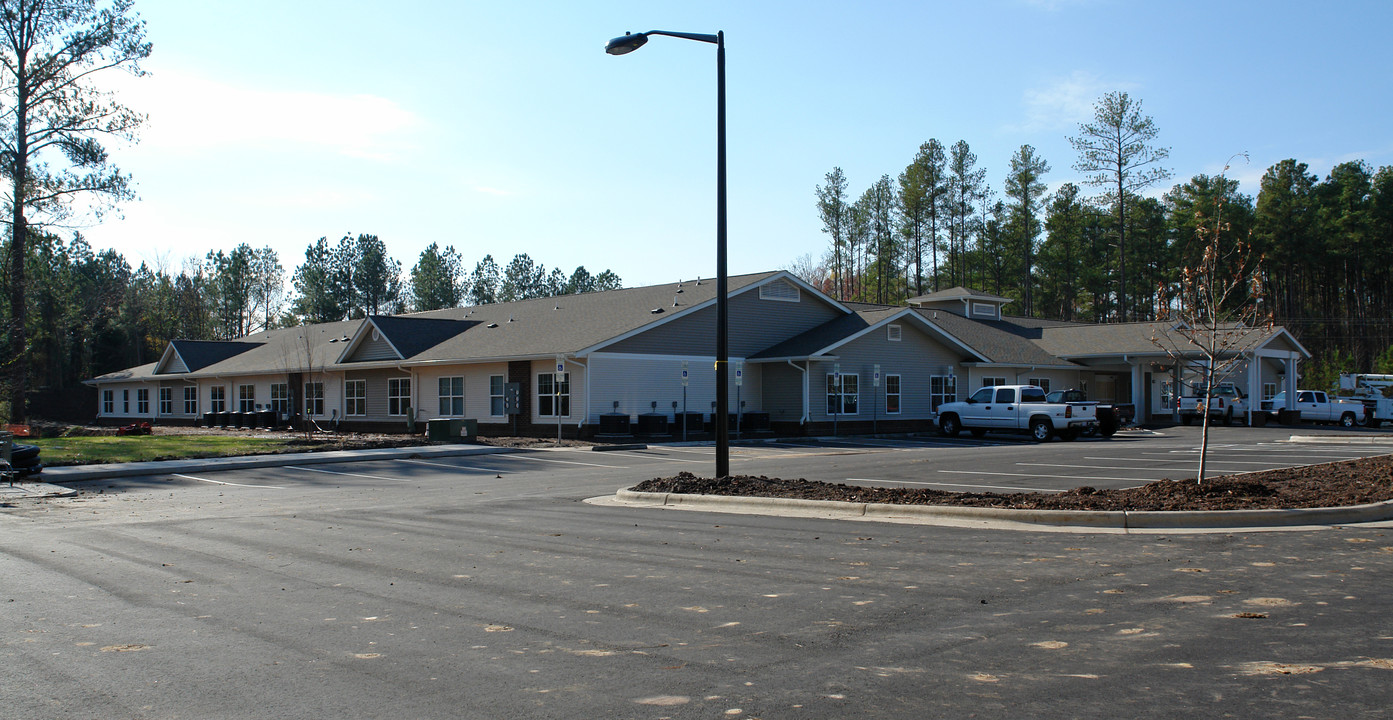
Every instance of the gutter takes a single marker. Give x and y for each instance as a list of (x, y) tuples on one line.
[(804, 419)]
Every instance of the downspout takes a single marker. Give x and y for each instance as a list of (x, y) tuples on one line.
[(802, 420), (585, 414)]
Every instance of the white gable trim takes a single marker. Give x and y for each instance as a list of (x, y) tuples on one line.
[(933, 329), (781, 275), (358, 336), (167, 359)]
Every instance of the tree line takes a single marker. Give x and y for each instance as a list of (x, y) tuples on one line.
[(91, 313), (1325, 246)]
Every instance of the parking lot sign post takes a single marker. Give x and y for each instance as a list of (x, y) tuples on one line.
[(684, 400), (875, 409), (739, 406), (556, 393), (837, 394)]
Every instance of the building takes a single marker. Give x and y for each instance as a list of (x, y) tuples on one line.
[(804, 360)]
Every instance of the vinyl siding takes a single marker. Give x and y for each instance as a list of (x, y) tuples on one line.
[(914, 358), (637, 382), (783, 392), (476, 389), (755, 324), (372, 349), (578, 385), (377, 393), (176, 388)]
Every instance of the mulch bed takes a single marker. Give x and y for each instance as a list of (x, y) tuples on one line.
[(1351, 482)]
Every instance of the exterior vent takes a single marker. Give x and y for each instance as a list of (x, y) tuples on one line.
[(491, 325), (986, 309), (781, 291), (655, 311), (892, 333)]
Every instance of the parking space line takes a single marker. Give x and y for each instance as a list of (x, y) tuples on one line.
[(964, 485), (348, 474), (528, 456), (1033, 475), (220, 482), (1097, 467), (662, 458), (452, 467)]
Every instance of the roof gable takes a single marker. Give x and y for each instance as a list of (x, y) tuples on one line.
[(186, 356)]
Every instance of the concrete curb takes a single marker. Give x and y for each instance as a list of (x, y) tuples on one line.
[(85, 473), (1338, 440), (1114, 519)]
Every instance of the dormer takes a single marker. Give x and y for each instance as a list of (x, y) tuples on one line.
[(966, 302)]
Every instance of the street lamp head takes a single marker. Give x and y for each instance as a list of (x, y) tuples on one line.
[(627, 44)]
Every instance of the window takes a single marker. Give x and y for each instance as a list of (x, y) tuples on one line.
[(993, 381), (893, 333), (166, 401), (987, 309), (314, 398), (217, 399), (355, 397), (842, 400), (280, 398), (246, 398), (125, 402), (892, 394), (1167, 394), (942, 389), (452, 396), (1005, 395), (983, 395), (190, 399), (142, 401), (554, 389), (496, 407), (1269, 391), (108, 402), (398, 396), (1042, 383)]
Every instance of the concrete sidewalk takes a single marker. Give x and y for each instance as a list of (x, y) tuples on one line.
[(50, 482)]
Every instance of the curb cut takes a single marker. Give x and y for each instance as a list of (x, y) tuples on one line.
[(1101, 519), (611, 448), (1337, 440)]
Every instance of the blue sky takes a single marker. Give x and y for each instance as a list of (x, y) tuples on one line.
[(504, 127)]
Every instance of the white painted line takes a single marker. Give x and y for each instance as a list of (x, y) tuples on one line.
[(1033, 475), (347, 474), (1101, 467), (527, 456), (654, 456), (933, 484), (220, 482), (452, 467)]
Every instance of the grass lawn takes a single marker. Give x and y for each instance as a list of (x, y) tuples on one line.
[(136, 448)]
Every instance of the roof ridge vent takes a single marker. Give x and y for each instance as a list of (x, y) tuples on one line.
[(491, 325)]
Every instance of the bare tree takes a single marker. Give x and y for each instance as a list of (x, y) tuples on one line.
[(1217, 312)]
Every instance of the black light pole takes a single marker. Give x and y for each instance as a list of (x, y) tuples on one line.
[(628, 44)]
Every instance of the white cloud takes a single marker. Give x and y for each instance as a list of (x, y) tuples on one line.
[(189, 111), (1064, 103)]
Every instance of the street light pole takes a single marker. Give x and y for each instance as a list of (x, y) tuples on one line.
[(627, 44)]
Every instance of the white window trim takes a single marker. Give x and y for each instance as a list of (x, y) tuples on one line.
[(146, 402), (894, 332), (284, 400), (404, 400), (217, 398), (502, 391), (991, 380), (163, 392), (316, 397), (899, 394), (983, 309), (350, 400), (842, 393), (556, 397), (190, 397), (1041, 382), (108, 402), (246, 403), (945, 396), (449, 411)]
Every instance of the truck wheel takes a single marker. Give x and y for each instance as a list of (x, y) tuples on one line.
[(1040, 430), (1347, 420), (978, 432), (949, 425), (1228, 417)]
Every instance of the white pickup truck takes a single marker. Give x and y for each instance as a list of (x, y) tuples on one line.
[(1226, 404), (1016, 408), (1316, 406)]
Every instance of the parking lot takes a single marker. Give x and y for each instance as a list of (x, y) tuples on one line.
[(483, 587)]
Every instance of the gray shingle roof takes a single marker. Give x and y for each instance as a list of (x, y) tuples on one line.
[(827, 334), (199, 354), (413, 335)]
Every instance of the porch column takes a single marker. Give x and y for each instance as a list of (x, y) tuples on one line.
[(1254, 384), (1140, 393)]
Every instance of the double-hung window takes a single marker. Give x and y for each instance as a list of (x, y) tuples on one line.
[(988, 381), (246, 398), (108, 402), (190, 399), (166, 401), (398, 396), (842, 396), (142, 401), (452, 396), (125, 402), (355, 397), (217, 398), (314, 398), (942, 389), (280, 398), (892, 394), (553, 394), (496, 384), (1042, 383)]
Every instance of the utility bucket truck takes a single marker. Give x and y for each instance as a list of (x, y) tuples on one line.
[(1372, 390)]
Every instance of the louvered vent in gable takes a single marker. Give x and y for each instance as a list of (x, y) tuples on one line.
[(892, 333), (780, 290)]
